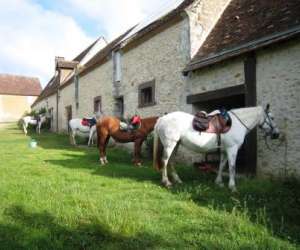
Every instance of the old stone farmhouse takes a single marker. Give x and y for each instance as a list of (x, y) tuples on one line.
[(17, 94), (195, 54)]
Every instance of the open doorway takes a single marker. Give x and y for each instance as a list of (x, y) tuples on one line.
[(119, 107), (68, 116), (228, 98)]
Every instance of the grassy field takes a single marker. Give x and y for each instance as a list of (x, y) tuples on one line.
[(58, 197)]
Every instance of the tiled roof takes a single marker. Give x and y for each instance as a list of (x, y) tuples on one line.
[(19, 85), (246, 25)]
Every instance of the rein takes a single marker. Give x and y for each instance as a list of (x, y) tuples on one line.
[(240, 120)]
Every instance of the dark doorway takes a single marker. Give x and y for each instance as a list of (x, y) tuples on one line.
[(51, 119), (236, 101), (229, 98), (119, 107), (68, 115)]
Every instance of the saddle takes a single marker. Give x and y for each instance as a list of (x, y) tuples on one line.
[(130, 125), (216, 124), (88, 122)]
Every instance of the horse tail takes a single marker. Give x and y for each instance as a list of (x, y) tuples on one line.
[(157, 152)]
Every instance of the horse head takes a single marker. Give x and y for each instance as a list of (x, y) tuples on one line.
[(269, 125)]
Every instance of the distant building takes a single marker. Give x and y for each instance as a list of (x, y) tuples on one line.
[(17, 94)]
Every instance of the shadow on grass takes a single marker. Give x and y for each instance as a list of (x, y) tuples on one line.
[(27, 230), (275, 205)]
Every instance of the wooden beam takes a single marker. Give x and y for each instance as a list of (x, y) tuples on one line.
[(250, 100), (216, 94)]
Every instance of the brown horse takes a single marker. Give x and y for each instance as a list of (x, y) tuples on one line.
[(110, 127)]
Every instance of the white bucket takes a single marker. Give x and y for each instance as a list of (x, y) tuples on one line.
[(33, 144)]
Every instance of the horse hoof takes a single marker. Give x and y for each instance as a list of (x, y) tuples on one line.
[(138, 164), (167, 185), (233, 190), (220, 184)]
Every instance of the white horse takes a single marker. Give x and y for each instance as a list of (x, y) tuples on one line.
[(176, 128), (77, 128), (38, 122)]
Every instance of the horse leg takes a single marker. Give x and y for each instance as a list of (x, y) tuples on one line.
[(223, 160), (137, 152), (102, 147), (72, 137), (165, 159), (174, 174), (231, 155), (24, 128), (90, 137), (106, 142)]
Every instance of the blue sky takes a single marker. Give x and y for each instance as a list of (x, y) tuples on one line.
[(33, 32)]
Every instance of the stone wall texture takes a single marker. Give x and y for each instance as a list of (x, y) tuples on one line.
[(278, 83)]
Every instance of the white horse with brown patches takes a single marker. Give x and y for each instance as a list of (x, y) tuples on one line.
[(176, 129), (36, 121)]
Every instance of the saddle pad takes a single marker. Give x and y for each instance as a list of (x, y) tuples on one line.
[(85, 123)]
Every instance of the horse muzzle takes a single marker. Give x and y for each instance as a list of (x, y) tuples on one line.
[(275, 136)]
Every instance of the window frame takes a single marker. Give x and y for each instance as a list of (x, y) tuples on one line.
[(143, 86), (98, 99)]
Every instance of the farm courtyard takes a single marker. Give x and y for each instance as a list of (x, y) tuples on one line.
[(59, 197)]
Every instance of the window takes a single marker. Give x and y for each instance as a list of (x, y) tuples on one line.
[(147, 94), (119, 107), (117, 66), (97, 105)]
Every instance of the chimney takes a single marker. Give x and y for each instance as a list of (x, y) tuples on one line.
[(64, 68)]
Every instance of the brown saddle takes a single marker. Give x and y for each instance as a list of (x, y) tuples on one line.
[(216, 124)]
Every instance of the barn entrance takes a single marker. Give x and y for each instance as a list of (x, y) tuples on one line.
[(68, 116), (228, 98)]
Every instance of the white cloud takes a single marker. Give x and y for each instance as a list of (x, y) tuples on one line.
[(31, 37), (116, 16)]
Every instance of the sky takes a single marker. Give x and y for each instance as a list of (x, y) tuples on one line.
[(33, 32)]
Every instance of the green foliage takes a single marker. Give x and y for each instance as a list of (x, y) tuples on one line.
[(58, 197), (149, 144)]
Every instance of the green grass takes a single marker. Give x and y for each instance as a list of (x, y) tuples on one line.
[(58, 197)]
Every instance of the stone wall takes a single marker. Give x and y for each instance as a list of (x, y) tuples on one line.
[(278, 83), (162, 59), (66, 98), (96, 83)]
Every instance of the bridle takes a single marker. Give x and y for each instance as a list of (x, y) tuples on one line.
[(267, 120)]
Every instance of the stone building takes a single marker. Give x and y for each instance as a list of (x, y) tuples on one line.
[(252, 58), (199, 54), (17, 93)]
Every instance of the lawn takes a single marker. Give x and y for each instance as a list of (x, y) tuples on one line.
[(59, 197)]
